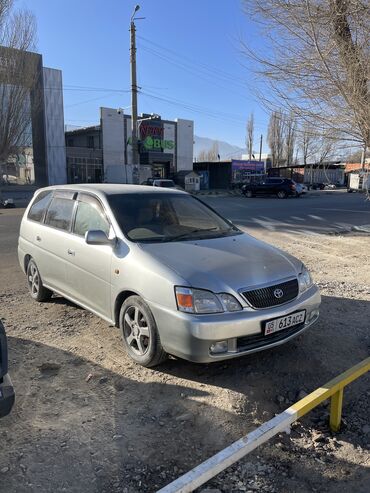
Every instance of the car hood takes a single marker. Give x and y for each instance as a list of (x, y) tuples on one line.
[(225, 264)]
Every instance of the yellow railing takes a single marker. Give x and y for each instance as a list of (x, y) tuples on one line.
[(333, 389), (223, 459)]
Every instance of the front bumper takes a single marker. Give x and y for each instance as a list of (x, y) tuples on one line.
[(190, 336), (7, 395)]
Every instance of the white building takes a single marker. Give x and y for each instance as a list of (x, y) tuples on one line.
[(104, 152)]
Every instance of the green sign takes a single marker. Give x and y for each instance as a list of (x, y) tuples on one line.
[(154, 143)]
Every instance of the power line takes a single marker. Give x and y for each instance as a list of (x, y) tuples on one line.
[(210, 79), (88, 100), (214, 70), (238, 119)]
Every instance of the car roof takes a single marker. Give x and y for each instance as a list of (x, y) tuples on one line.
[(111, 188)]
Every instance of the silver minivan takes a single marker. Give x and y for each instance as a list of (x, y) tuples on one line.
[(170, 272)]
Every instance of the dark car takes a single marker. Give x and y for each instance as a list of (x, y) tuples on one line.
[(317, 186), (281, 187), (6, 387)]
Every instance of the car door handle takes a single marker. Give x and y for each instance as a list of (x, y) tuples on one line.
[(71, 252), (38, 238)]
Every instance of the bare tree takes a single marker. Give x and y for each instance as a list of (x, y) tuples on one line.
[(275, 137), (250, 136), (289, 129), (17, 77), (318, 62), (202, 155), (306, 141), (214, 153), (211, 154)]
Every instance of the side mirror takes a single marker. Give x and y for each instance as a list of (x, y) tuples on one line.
[(98, 237)]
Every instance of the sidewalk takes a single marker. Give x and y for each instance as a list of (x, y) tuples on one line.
[(21, 194)]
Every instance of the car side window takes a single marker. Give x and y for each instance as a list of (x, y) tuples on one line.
[(59, 214), (39, 206), (90, 216)]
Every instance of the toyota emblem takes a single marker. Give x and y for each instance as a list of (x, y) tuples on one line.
[(278, 293)]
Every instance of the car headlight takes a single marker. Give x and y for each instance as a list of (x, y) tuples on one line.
[(229, 303), (305, 280), (201, 301)]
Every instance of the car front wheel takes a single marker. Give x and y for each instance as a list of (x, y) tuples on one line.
[(249, 194), (139, 333)]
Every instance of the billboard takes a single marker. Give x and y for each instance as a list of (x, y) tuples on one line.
[(242, 169)]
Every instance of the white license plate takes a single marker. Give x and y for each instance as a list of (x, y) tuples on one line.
[(282, 323)]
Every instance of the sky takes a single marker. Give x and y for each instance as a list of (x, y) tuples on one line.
[(189, 61)]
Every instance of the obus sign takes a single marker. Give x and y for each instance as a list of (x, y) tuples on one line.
[(154, 144), (152, 136)]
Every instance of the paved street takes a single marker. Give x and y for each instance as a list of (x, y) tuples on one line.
[(318, 212)]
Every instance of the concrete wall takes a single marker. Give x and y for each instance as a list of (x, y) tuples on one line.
[(112, 125), (185, 142), (54, 127), (81, 138)]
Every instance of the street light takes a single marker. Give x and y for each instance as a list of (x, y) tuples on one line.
[(137, 7)]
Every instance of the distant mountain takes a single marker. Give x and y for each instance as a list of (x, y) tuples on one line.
[(226, 150)]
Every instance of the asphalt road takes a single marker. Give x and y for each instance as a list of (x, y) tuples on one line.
[(321, 212), (318, 212)]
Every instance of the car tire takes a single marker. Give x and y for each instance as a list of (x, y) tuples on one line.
[(281, 194), (249, 194), (140, 334), (35, 286)]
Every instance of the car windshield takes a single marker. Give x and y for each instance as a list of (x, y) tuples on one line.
[(165, 217)]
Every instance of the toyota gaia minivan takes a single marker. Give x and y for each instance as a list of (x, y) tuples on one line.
[(171, 273)]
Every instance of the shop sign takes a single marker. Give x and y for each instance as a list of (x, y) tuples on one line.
[(154, 143)]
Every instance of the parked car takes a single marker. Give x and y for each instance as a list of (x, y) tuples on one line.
[(281, 187), (7, 395), (173, 274), (164, 183), (300, 189), (318, 186), (161, 182), (7, 203)]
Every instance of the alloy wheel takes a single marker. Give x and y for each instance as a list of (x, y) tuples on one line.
[(33, 280), (136, 330)]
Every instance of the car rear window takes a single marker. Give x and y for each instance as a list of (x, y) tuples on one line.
[(39, 206), (59, 214)]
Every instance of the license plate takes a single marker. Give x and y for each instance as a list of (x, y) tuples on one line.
[(282, 323)]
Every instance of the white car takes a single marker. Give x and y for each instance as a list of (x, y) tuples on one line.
[(300, 189), (164, 183)]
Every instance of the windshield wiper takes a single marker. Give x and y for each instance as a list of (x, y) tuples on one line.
[(184, 235)]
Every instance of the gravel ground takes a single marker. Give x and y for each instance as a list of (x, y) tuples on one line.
[(87, 419)]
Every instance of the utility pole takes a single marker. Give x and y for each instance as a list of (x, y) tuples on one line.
[(134, 142), (261, 147)]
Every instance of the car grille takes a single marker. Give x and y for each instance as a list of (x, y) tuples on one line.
[(265, 297), (259, 340)]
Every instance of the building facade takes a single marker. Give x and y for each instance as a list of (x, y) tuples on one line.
[(104, 152), (43, 151)]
